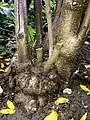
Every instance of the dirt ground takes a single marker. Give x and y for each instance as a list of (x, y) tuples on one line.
[(79, 100), (79, 103)]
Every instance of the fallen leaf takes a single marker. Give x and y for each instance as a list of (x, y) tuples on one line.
[(86, 42), (84, 117), (1, 70), (2, 65), (10, 105), (1, 90), (6, 69), (7, 59), (83, 87), (7, 111), (61, 100), (52, 116), (87, 66), (72, 119), (86, 76), (7, 63)]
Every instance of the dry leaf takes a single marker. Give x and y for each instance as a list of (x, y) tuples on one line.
[(7, 59), (84, 117), (83, 87), (1, 90), (2, 65), (10, 105), (7, 111), (52, 116), (61, 100)]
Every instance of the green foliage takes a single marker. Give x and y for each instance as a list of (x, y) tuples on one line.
[(31, 13), (31, 36), (6, 50), (7, 27), (6, 19)]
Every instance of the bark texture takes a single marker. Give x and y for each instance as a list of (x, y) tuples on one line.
[(21, 30), (38, 14), (74, 24)]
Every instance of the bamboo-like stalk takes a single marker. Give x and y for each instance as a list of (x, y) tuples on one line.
[(21, 30), (49, 21), (38, 17)]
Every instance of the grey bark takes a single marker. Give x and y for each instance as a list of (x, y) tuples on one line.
[(21, 30), (38, 14), (72, 33)]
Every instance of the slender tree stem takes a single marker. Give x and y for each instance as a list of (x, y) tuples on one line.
[(49, 21)]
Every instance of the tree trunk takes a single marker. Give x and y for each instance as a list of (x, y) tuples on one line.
[(32, 84), (74, 25), (21, 30), (38, 19), (38, 14)]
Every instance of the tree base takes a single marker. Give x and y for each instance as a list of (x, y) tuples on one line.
[(33, 87)]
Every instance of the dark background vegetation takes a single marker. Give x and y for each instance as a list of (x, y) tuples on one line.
[(7, 26)]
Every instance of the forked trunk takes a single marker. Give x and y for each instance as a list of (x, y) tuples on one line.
[(74, 24)]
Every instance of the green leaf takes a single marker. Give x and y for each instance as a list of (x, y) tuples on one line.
[(31, 35)]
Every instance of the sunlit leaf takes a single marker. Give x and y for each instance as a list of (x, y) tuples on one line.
[(7, 59), (72, 119), (10, 105), (2, 65), (7, 63), (86, 76), (52, 116), (1, 56), (7, 111), (84, 117), (6, 69), (1, 90), (1, 70), (61, 100), (83, 87), (87, 66), (86, 42)]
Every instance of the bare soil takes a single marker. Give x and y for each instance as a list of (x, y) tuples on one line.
[(79, 101)]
